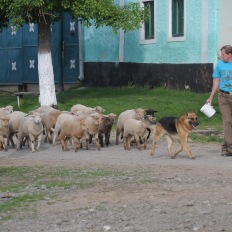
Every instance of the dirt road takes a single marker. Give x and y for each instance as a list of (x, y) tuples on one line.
[(154, 194)]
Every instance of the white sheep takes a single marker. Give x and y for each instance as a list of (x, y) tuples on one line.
[(134, 113), (4, 111), (30, 127), (79, 107), (14, 123), (4, 121), (137, 128)]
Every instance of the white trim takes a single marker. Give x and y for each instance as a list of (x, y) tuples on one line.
[(204, 32), (170, 38), (121, 40), (142, 39)]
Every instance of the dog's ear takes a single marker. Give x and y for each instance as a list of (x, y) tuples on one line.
[(194, 111)]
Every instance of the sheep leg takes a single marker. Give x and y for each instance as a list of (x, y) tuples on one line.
[(97, 142), (125, 142), (55, 134), (10, 139), (90, 139), (31, 141), (66, 144), (39, 141), (62, 143), (75, 143), (19, 142), (107, 139), (118, 131), (1, 146), (3, 143), (49, 134), (128, 142), (137, 139), (100, 137), (86, 140), (144, 142)]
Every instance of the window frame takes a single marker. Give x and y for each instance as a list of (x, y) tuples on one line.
[(172, 38), (142, 39)]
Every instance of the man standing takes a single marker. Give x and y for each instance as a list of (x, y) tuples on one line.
[(222, 79)]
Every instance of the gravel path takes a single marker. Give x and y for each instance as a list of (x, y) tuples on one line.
[(154, 194)]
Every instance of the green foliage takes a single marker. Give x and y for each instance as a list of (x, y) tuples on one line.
[(96, 12)]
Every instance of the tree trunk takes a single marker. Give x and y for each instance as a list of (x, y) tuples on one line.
[(45, 67)]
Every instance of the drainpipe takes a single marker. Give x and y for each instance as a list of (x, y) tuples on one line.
[(121, 40), (81, 55)]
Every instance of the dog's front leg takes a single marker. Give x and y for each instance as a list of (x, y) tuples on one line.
[(180, 149), (184, 142), (169, 141)]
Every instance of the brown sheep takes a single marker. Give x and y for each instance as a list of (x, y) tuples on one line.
[(71, 129), (91, 127), (50, 119), (105, 129)]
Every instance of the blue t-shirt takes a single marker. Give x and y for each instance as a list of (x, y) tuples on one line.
[(223, 71)]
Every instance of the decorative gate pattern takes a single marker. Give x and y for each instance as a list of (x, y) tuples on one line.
[(18, 53)]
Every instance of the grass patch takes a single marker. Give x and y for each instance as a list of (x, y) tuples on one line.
[(31, 184), (167, 102), (207, 139), (20, 202)]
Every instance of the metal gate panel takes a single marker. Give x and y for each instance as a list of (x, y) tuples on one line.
[(30, 64), (13, 37), (71, 49), (30, 34), (30, 53), (19, 53), (13, 66), (2, 66), (3, 38), (56, 40)]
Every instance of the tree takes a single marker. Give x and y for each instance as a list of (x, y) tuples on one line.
[(46, 12)]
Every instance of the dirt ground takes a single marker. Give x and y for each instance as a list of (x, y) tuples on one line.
[(155, 194)]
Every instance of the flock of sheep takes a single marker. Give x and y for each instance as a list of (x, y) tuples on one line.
[(81, 122)]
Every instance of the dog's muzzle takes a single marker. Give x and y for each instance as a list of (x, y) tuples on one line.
[(193, 124)]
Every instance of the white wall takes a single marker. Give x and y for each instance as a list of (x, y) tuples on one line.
[(225, 23)]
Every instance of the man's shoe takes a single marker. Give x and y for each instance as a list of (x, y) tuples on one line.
[(223, 153), (228, 154)]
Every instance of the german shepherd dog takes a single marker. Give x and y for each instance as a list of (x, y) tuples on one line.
[(175, 129)]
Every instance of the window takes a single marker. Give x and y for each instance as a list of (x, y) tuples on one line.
[(176, 20), (147, 32)]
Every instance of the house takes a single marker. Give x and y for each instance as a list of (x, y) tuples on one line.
[(178, 47)]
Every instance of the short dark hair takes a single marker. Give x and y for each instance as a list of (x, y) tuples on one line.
[(227, 49)]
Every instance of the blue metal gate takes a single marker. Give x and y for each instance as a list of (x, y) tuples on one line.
[(19, 48)]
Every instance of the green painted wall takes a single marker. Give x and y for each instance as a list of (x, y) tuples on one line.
[(102, 45)]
